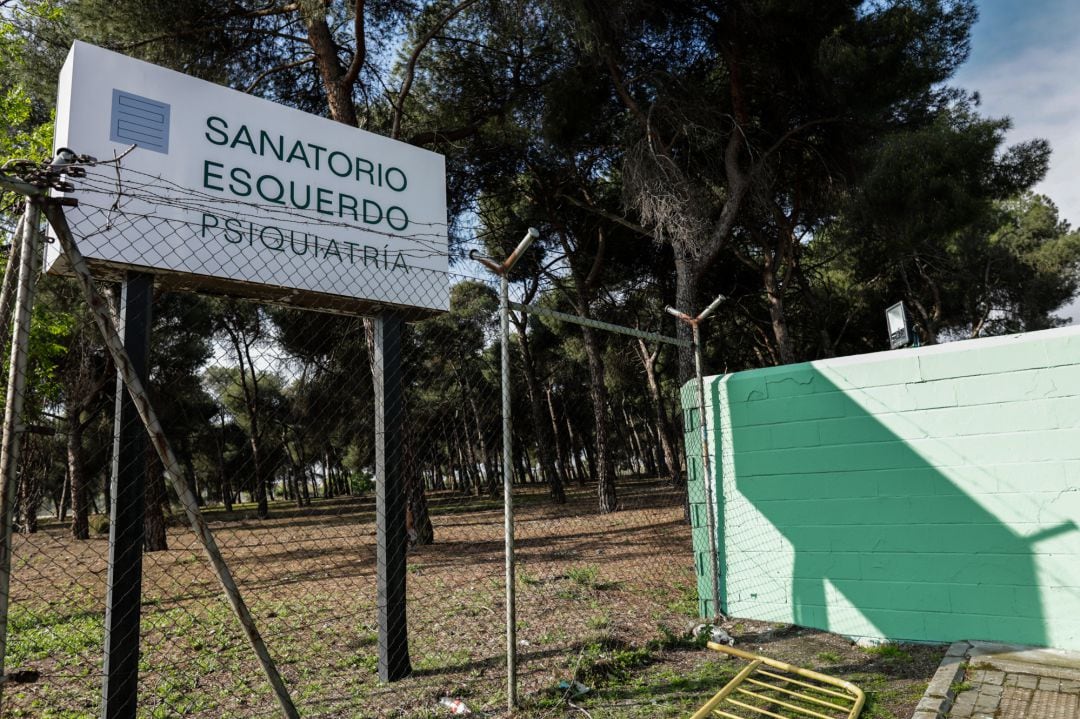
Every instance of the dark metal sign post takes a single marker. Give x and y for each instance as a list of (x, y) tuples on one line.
[(390, 537), (123, 607)]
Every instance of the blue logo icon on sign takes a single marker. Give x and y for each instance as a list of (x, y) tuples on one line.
[(140, 121)]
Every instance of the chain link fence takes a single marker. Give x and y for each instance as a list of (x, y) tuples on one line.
[(271, 411)]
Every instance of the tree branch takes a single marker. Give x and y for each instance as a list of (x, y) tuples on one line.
[(618, 219), (361, 46), (792, 132), (623, 93), (266, 73), (433, 136), (214, 23), (414, 56), (598, 259), (266, 11)]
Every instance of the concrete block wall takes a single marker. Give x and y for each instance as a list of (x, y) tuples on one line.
[(922, 494), (697, 496)]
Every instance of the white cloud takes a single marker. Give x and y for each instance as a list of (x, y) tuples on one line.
[(1033, 78), (1039, 89)]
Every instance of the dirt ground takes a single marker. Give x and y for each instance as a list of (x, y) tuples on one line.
[(605, 600)]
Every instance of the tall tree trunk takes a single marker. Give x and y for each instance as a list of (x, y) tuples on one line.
[(34, 466), (249, 383), (686, 300), (490, 472), (438, 481), (528, 474), (80, 526), (337, 80), (65, 494), (561, 466), (774, 295), (226, 485), (262, 510), (663, 423), (460, 445), (328, 476), (540, 426), (590, 460), (303, 498), (576, 450), (926, 324), (154, 536), (642, 462), (584, 286), (418, 519), (252, 404), (59, 496), (192, 475), (464, 462), (658, 453), (295, 472), (444, 464)]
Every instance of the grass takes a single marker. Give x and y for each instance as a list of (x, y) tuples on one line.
[(586, 576), (607, 604), (609, 661), (889, 653), (636, 683), (882, 696), (673, 676), (598, 621), (681, 599), (65, 634)]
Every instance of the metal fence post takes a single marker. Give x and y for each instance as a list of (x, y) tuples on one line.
[(508, 497), (16, 392), (502, 270), (711, 496)]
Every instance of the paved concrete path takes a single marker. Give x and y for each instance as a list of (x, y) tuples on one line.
[(985, 680)]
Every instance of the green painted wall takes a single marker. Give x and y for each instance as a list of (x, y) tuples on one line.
[(923, 494)]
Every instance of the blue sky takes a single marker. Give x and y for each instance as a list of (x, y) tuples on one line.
[(1025, 63)]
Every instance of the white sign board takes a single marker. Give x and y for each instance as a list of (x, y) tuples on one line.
[(230, 193)]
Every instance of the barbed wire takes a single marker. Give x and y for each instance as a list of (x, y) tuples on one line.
[(135, 185)]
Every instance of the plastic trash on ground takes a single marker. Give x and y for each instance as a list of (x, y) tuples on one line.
[(456, 706), (577, 688)]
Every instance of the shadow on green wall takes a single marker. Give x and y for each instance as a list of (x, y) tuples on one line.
[(913, 553)]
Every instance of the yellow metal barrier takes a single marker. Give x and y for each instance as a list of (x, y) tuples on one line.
[(770, 688)]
